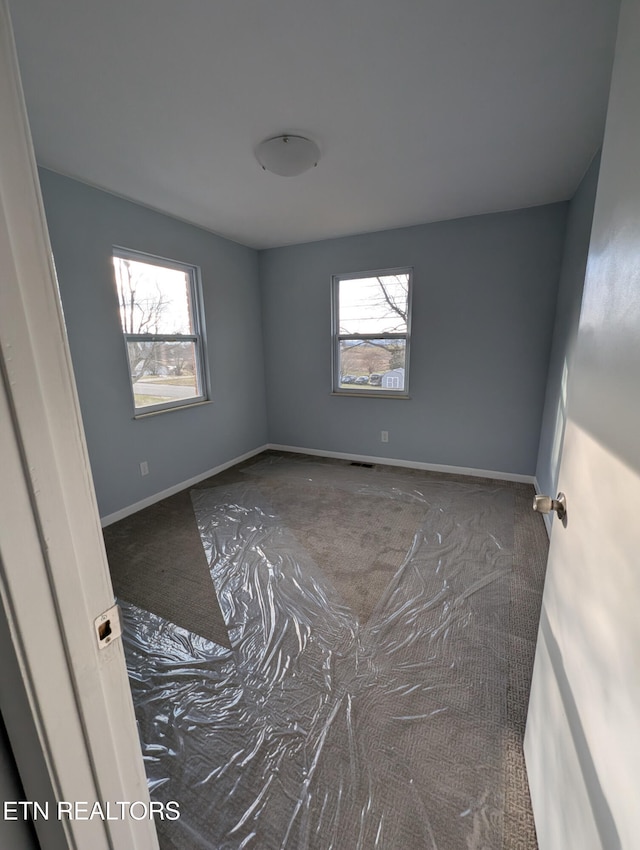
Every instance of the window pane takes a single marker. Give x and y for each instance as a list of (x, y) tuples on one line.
[(162, 372), (373, 305), (372, 364), (153, 299)]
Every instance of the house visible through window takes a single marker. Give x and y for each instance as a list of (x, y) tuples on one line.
[(161, 315), (371, 320)]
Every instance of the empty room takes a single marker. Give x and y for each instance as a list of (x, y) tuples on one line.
[(319, 366)]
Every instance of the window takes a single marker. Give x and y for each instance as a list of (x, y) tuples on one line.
[(162, 322), (371, 322)]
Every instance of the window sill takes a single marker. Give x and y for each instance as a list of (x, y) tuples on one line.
[(365, 394), (172, 409)]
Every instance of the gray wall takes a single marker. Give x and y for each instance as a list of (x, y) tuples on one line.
[(484, 301), (565, 330), (84, 224)]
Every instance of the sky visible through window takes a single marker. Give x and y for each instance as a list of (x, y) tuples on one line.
[(153, 299), (371, 343), (374, 305), (155, 302)]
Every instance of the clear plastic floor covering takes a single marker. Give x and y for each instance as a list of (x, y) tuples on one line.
[(316, 731)]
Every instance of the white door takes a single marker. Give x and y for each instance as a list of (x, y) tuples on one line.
[(65, 701), (582, 742)]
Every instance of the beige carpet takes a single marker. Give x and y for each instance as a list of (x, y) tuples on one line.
[(358, 540)]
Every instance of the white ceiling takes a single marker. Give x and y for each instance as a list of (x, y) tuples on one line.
[(423, 109)]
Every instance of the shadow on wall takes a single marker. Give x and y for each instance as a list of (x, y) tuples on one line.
[(603, 818), (558, 433)]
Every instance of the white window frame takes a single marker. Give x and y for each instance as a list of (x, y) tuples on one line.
[(197, 336), (337, 337)]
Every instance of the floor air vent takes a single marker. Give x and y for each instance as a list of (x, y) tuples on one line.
[(359, 463)]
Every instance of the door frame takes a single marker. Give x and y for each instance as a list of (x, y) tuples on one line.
[(66, 701)]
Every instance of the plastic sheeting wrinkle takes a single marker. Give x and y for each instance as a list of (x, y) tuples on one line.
[(316, 732)]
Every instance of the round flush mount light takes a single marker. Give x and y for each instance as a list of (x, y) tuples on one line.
[(288, 155)]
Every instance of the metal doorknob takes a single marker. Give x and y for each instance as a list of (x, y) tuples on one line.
[(545, 504)]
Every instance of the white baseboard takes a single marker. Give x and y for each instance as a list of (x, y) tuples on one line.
[(163, 494), (548, 518), (410, 464)]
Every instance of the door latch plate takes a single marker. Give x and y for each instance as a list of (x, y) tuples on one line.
[(108, 627)]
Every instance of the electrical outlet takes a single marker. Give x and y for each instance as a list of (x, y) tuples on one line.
[(144, 468), (384, 436)]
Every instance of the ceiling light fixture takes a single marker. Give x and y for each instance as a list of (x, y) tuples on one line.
[(288, 155)]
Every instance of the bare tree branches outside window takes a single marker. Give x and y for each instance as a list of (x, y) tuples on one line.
[(371, 314), (161, 328)]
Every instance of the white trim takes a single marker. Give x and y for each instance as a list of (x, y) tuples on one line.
[(336, 336), (54, 573), (198, 336), (409, 464), (548, 518), (170, 491), (109, 519)]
